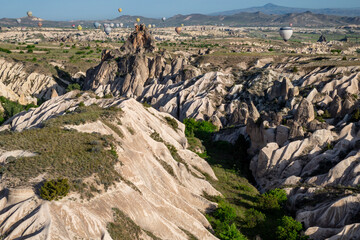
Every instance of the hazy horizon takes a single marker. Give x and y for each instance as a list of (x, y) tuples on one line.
[(94, 10)]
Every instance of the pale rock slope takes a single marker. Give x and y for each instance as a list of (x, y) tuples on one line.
[(157, 201)]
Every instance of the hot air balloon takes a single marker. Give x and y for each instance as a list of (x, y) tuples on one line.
[(290, 24), (121, 24), (138, 19), (182, 24), (29, 13), (107, 30), (149, 26), (73, 26), (79, 27), (112, 25), (286, 33), (120, 10), (154, 26), (178, 30), (18, 20), (163, 19), (106, 25), (40, 24), (117, 25), (97, 25)]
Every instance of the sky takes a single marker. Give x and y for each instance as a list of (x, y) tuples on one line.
[(107, 9)]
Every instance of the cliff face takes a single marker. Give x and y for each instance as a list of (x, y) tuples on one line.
[(159, 191)]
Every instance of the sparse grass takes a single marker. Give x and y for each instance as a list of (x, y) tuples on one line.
[(130, 130), (123, 227), (63, 153), (146, 105), (114, 128), (189, 234), (172, 122), (156, 136), (167, 167)]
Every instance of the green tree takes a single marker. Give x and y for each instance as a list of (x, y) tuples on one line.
[(290, 229), (253, 218), (225, 213), (232, 233), (272, 200)]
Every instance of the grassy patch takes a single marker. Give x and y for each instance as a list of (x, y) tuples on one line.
[(249, 212), (123, 227), (63, 153)]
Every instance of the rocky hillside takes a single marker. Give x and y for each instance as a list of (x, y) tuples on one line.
[(152, 182), (302, 121), (20, 84)]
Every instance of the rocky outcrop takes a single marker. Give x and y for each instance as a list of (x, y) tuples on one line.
[(139, 41), (305, 112), (158, 200), (17, 84)]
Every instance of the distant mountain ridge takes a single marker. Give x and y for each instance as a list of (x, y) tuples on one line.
[(276, 9), (243, 19)]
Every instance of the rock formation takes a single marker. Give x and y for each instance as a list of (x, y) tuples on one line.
[(160, 194)]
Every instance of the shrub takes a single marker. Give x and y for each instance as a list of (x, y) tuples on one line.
[(199, 129), (225, 213), (336, 50), (253, 218), (172, 122), (289, 229), (12, 108), (146, 105), (355, 116), (5, 50), (295, 69), (272, 200), (231, 233), (54, 189), (74, 86)]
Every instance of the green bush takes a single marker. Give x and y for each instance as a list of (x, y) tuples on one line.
[(231, 233), (253, 218), (199, 129), (54, 189), (336, 51), (272, 200), (5, 50), (225, 213), (74, 86), (12, 108), (289, 229)]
